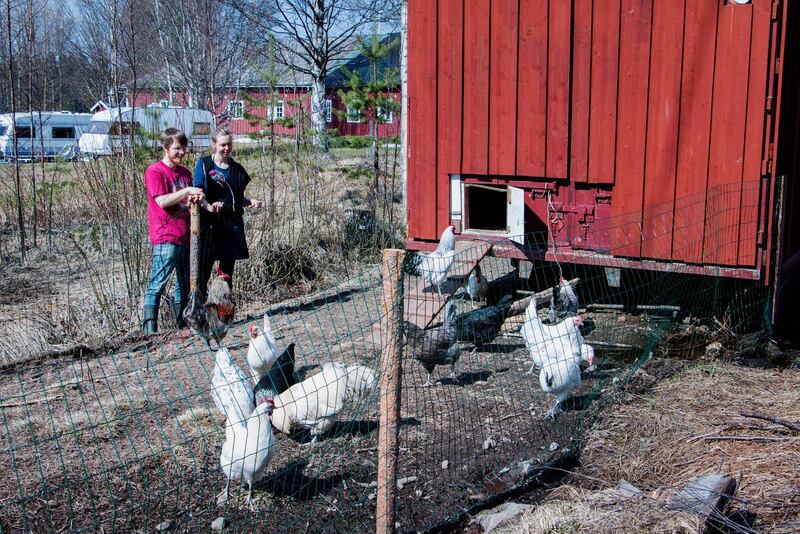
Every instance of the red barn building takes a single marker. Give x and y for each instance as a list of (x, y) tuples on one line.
[(636, 133)]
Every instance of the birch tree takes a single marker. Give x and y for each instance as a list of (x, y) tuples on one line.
[(312, 34), (205, 46)]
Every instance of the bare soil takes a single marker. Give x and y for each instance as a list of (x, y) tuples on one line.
[(129, 439)]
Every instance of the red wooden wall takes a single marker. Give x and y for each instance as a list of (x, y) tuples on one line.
[(658, 104)]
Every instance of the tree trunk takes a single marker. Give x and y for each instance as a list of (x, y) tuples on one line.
[(318, 111), (31, 38), (163, 48), (12, 90)]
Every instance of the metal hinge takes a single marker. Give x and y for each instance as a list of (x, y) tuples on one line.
[(766, 166), (775, 9), (603, 198), (761, 234), (778, 63), (766, 163)]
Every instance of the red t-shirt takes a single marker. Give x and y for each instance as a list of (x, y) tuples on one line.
[(171, 224)]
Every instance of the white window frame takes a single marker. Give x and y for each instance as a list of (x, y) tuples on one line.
[(277, 111), (353, 116), (236, 109), (384, 117), (328, 110)]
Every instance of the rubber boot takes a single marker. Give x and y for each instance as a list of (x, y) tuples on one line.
[(177, 309), (150, 323)]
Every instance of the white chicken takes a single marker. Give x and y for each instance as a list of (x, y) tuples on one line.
[(555, 342), (477, 286), (249, 441), (316, 402), (434, 267), (262, 350), (559, 377)]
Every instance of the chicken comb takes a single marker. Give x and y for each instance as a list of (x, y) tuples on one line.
[(221, 274)]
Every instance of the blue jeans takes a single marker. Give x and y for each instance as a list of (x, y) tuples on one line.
[(167, 258)]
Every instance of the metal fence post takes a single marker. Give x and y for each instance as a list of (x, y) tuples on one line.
[(391, 356)]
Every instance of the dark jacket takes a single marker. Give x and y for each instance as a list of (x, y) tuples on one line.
[(222, 234)]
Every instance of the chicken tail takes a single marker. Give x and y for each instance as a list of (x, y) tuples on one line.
[(411, 263)]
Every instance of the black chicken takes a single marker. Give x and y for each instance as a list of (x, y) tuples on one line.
[(481, 326), (280, 376), (564, 302), (435, 346)]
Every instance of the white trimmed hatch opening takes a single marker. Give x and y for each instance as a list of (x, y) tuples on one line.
[(495, 209)]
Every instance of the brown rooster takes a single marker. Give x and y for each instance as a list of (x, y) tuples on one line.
[(212, 319)]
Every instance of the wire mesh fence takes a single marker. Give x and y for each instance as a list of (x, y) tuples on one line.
[(500, 381)]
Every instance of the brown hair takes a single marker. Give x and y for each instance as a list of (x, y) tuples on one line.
[(171, 135)]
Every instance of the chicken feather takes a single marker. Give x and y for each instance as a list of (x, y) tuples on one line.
[(433, 267), (262, 350), (316, 402)]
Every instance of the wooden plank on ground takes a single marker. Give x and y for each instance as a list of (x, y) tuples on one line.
[(422, 303)]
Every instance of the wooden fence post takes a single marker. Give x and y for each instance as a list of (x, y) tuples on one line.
[(391, 377), (194, 247)]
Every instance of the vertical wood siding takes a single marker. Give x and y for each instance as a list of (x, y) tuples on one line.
[(634, 66), (558, 66), (531, 112), (603, 95), (422, 77), (658, 103), (503, 87), (475, 113), (448, 119)]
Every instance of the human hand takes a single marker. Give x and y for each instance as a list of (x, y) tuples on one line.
[(255, 203), (196, 198), (192, 191), (216, 207)]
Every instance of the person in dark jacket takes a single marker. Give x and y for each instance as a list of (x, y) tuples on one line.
[(223, 182)]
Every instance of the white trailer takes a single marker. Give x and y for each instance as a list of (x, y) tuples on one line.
[(54, 133), (110, 130)]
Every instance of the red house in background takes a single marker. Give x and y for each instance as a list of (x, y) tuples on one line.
[(291, 98)]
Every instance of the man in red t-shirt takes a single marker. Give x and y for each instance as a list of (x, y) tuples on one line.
[(169, 193)]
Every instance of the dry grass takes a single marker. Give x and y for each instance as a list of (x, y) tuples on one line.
[(87, 283), (660, 440), (575, 510)]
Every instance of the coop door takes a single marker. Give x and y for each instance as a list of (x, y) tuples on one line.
[(515, 215), (456, 201)]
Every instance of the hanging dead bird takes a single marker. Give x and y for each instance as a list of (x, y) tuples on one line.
[(212, 318)]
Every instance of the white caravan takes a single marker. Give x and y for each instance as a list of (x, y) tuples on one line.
[(110, 130), (55, 133)]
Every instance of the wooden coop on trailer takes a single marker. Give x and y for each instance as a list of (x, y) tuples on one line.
[(639, 134)]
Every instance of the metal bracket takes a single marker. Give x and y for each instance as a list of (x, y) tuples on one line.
[(542, 190)]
